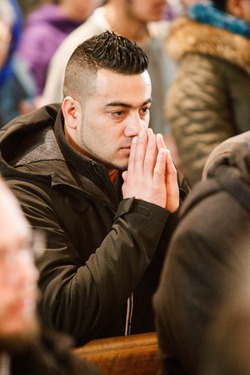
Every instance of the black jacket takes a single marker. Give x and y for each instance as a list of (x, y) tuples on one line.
[(205, 254), (101, 248)]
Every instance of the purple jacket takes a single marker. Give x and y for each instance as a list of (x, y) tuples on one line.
[(44, 30)]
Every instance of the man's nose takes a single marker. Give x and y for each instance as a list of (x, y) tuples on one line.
[(134, 125)]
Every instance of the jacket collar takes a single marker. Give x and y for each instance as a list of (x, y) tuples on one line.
[(34, 146)]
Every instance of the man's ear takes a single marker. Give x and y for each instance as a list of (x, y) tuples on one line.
[(69, 109)]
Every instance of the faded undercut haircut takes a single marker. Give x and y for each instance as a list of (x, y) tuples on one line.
[(104, 51)]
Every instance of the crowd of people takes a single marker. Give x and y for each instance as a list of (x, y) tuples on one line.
[(125, 167), (45, 29)]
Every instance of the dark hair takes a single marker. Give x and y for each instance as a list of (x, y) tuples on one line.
[(104, 51), (220, 4)]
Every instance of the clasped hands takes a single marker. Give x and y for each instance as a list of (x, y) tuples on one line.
[(151, 174)]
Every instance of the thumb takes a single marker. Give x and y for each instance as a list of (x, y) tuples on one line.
[(125, 176)]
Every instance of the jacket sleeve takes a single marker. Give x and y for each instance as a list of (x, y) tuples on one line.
[(82, 297), (199, 111)]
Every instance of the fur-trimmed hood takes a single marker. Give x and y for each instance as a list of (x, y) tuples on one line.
[(189, 36)]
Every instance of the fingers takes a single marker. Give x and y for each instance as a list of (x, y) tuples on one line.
[(144, 153), (137, 153), (172, 187), (160, 141), (160, 166), (150, 155), (125, 176), (151, 174)]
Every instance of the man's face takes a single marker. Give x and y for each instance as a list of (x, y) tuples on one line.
[(84, 8), (245, 10), (239, 9), (146, 10), (112, 116), (18, 276)]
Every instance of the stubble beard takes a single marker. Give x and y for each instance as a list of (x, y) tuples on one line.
[(108, 164)]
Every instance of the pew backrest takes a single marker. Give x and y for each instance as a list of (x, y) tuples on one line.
[(134, 354)]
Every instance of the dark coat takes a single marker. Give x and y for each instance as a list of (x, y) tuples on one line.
[(205, 254), (101, 248), (209, 100)]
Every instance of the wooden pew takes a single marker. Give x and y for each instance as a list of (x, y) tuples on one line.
[(126, 355)]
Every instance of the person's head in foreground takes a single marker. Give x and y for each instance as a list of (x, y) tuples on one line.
[(25, 347), (18, 275)]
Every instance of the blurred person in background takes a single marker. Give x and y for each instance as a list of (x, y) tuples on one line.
[(44, 30), (179, 8), (17, 90), (209, 100)]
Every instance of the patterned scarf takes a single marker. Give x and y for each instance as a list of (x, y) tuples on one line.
[(208, 14)]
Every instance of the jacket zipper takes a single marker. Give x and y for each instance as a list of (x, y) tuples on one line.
[(129, 315)]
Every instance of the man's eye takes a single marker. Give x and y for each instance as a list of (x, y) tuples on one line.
[(118, 113), (145, 110)]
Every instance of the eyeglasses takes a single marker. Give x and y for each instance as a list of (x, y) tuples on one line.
[(30, 250)]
